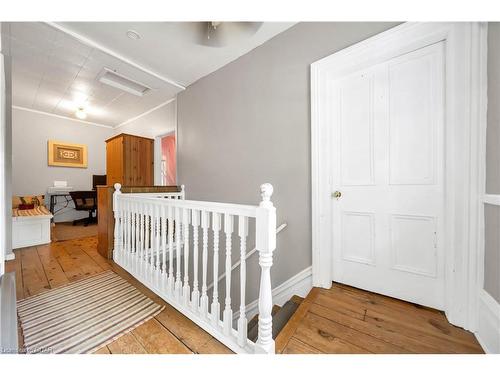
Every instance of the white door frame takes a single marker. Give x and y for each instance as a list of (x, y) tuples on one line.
[(465, 133), (3, 198), (157, 156)]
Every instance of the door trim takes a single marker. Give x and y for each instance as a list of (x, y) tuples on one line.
[(157, 155), (466, 99)]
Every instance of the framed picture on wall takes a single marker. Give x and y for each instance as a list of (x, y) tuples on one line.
[(62, 154)]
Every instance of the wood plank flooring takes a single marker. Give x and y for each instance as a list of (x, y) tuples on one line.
[(344, 319), (40, 268), (339, 320)]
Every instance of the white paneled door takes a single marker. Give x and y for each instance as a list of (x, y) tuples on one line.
[(388, 177)]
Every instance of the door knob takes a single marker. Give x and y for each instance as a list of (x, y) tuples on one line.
[(337, 194)]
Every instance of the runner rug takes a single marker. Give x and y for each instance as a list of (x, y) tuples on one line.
[(83, 316)]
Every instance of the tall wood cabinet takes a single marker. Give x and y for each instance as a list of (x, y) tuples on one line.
[(130, 160)]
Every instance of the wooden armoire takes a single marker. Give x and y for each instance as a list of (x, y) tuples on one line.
[(130, 160)]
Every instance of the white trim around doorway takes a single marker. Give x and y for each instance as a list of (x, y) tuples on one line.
[(466, 97), (157, 156)]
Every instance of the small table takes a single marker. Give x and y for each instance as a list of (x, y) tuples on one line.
[(53, 201)]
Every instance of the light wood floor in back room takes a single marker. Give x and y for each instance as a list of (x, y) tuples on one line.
[(339, 320)]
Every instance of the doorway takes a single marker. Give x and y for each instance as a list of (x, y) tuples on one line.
[(387, 160), (391, 117), (166, 163)]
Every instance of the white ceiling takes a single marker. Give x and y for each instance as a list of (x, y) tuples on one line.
[(55, 68), (168, 48)]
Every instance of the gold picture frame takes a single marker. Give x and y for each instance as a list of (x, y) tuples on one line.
[(63, 154)]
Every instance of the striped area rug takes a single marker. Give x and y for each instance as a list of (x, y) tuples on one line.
[(83, 316)]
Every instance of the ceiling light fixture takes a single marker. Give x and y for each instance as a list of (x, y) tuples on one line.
[(132, 34), (80, 113)]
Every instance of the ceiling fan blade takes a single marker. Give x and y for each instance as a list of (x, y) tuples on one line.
[(224, 33)]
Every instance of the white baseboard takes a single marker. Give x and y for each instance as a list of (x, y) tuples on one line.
[(10, 256), (488, 328), (300, 285)]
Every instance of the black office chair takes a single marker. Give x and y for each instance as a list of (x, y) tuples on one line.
[(85, 201)]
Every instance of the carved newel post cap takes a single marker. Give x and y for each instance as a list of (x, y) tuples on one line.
[(266, 190), (117, 186)]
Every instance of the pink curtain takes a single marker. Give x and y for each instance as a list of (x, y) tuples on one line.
[(168, 159)]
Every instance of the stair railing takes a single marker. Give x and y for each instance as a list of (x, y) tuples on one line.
[(245, 257), (152, 242)]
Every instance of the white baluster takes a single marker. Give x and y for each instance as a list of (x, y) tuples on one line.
[(205, 224), (164, 241), (215, 307), (242, 320), (170, 250), (145, 259), (228, 312), (132, 235), (146, 238), (137, 229), (123, 219), (195, 296), (157, 241), (141, 235), (186, 291), (152, 240), (183, 192), (178, 280), (156, 231), (265, 243), (117, 243), (128, 247), (147, 231), (151, 245)]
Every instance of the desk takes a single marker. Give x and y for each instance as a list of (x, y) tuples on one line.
[(53, 200)]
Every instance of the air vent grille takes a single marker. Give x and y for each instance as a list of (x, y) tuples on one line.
[(118, 81)]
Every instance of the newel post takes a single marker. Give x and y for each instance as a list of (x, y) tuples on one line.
[(183, 192), (265, 240), (117, 246)]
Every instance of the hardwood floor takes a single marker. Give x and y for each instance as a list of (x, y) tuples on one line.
[(39, 268), (339, 320), (344, 319)]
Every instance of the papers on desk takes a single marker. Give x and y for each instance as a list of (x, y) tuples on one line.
[(60, 187), (60, 184)]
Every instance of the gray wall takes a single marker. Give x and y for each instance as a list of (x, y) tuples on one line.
[(492, 253), (249, 123), (31, 173), (492, 213)]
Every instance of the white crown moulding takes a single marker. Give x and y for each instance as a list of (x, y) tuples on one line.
[(62, 117), (144, 113)]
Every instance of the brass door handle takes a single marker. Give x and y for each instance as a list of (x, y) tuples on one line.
[(336, 194)]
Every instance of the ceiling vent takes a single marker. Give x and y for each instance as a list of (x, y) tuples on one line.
[(111, 78)]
